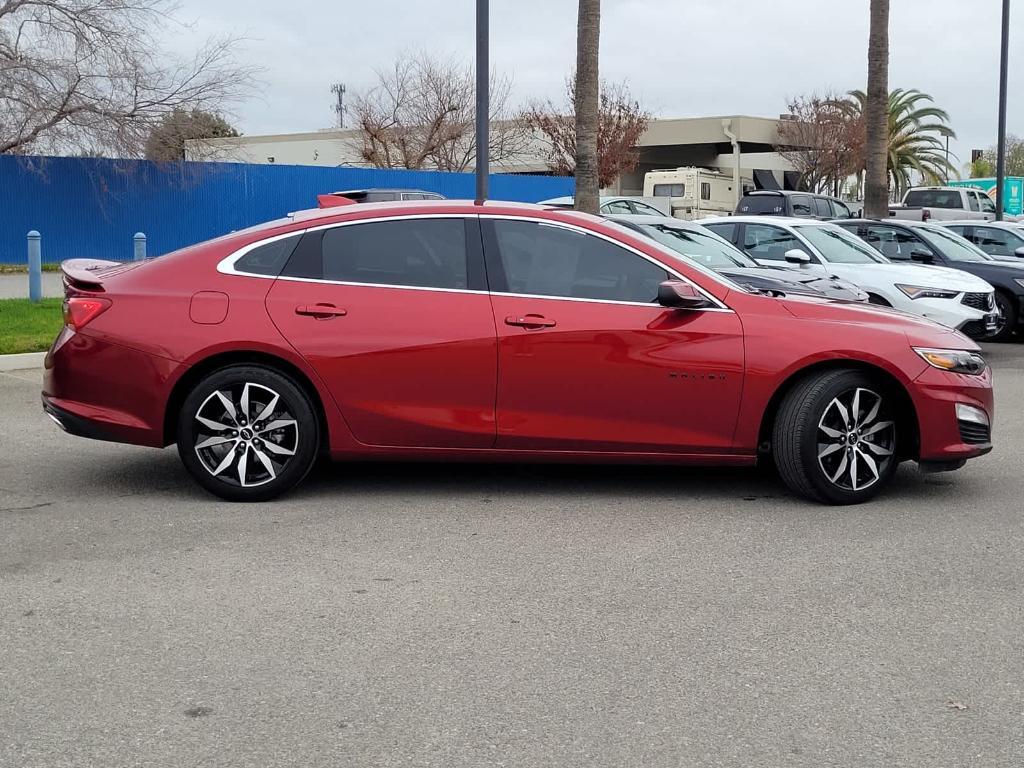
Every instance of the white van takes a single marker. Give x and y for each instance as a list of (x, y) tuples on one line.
[(694, 192)]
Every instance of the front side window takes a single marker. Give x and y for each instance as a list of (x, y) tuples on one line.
[(547, 260), (669, 190), (987, 206), (823, 208), (269, 258), (762, 241), (893, 243), (953, 247), (422, 253), (840, 210), (837, 245)]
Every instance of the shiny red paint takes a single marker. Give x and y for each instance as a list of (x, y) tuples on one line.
[(404, 373)]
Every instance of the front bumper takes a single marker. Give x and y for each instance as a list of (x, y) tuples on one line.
[(943, 437), (954, 314)]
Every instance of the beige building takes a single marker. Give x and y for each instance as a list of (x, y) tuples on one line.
[(738, 144)]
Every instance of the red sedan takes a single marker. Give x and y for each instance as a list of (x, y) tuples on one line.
[(448, 330)]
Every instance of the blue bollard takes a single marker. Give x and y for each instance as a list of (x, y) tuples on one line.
[(140, 246), (35, 267)]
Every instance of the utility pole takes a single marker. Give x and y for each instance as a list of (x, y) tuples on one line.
[(483, 99), (338, 89), (1001, 145)]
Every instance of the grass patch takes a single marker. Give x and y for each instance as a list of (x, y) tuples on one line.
[(28, 327), (21, 269)]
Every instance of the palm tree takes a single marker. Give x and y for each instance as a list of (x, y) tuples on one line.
[(588, 34), (876, 188), (915, 128)]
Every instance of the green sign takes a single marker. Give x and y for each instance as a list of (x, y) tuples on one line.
[(1013, 192)]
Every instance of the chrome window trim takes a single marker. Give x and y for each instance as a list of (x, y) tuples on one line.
[(226, 265)]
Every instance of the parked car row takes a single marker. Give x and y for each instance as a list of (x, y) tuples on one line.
[(447, 330)]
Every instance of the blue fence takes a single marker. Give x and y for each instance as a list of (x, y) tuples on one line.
[(92, 207)]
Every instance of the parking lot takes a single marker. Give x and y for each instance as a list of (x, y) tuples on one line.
[(455, 615)]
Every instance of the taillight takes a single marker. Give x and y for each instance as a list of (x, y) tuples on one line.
[(926, 215), (79, 311)]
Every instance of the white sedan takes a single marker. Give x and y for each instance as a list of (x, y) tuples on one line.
[(947, 296)]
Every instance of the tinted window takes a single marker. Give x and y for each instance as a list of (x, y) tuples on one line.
[(616, 206), (724, 230), (755, 205), (933, 198), (766, 242), (997, 242), (987, 206), (893, 242), (802, 205), (822, 207), (426, 253), (972, 201), (545, 260), (840, 210), (669, 190), (953, 247), (412, 196), (268, 259)]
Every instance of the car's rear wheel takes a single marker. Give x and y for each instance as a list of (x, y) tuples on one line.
[(834, 437), (1007, 322), (247, 433)]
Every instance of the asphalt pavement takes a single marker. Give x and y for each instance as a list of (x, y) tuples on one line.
[(453, 615)]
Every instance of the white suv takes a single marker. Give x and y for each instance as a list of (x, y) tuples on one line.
[(947, 296)]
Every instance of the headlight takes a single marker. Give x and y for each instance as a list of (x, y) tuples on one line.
[(921, 292), (953, 360), (1019, 281)]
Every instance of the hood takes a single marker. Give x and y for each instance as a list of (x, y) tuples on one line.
[(929, 276), (918, 331)]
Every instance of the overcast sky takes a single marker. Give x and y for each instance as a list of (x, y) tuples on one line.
[(681, 58)]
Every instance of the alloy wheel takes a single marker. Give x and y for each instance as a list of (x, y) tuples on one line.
[(245, 435), (855, 442)]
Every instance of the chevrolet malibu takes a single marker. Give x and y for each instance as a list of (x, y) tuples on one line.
[(453, 331)]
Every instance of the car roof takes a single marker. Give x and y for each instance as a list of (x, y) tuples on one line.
[(646, 218), (569, 199), (384, 189), (981, 223), (784, 220)]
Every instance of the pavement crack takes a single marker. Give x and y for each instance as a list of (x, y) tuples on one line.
[(25, 509)]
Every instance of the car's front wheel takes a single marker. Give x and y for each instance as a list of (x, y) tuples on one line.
[(1007, 322), (247, 433), (834, 437)]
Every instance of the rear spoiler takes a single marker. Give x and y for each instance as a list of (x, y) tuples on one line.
[(88, 274), (334, 200)]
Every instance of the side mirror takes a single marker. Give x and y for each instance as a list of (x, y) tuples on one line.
[(679, 294), (796, 256), (921, 256), (1019, 253)]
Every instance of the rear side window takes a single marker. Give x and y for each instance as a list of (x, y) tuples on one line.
[(545, 260), (269, 258), (972, 200), (724, 230), (669, 190), (421, 253), (802, 205), (760, 205)]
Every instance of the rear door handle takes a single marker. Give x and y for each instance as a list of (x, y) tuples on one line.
[(530, 321), (320, 311)]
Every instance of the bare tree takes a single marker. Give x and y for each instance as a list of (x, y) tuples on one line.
[(421, 114), (588, 84), (876, 112), (821, 140), (89, 76), (621, 122)]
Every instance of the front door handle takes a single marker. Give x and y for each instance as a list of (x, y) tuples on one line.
[(320, 311), (530, 321)]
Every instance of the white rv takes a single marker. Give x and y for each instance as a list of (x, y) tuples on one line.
[(694, 192)]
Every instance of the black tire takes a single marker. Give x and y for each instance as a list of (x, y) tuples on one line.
[(799, 434), (282, 444), (1008, 309)]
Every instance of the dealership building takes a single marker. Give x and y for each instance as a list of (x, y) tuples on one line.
[(738, 144)]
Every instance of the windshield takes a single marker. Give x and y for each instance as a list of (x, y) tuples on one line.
[(702, 247), (839, 246), (952, 246)]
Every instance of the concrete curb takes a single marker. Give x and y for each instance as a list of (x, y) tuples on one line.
[(21, 362)]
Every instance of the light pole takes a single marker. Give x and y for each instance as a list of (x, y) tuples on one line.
[(483, 73), (1001, 145)]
